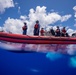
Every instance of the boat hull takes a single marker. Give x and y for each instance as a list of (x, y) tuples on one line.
[(18, 38)]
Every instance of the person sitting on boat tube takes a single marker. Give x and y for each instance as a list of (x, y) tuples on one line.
[(63, 32), (24, 28), (36, 28), (57, 31), (52, 31), (42, 31)]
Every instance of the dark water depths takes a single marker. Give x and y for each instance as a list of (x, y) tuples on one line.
[(37, 61)]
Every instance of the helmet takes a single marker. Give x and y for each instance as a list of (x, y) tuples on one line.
[(64, 27), (42, 28), (57, 26), (25, 23), (37, 21)]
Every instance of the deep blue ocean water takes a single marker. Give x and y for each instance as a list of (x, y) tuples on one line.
[(36, 63)]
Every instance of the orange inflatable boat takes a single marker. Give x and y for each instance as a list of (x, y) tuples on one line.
[(19, 38)]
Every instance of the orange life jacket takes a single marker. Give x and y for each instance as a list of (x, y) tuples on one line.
[(42, 32), (36, 26), (24, 27), (63, 30)]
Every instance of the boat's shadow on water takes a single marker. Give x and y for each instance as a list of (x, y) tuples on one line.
[(21, 51)]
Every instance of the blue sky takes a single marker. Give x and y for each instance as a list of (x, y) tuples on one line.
[(50, 12)]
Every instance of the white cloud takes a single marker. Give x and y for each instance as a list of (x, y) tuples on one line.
[(5, 4), (75, 20), (16, 3), (74, 8), (70, 31), (52, 10), (19, 10), (0, 28), (23, 18), (13, 25), (45, 19), (65, 18), (75, 15), (75, 25), (42, 15), (53, 17)]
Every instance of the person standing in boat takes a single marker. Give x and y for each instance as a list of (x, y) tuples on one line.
[(36, 28), (24, 28), (58, 31)]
